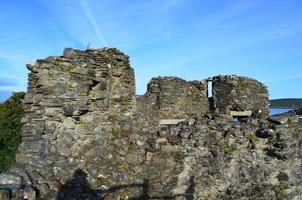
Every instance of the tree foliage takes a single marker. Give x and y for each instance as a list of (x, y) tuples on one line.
[(10, 129), (286, 103)]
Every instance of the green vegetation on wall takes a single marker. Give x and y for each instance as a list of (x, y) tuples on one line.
[(10, 129)]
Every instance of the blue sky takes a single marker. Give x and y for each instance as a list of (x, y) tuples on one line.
[(192, 39)]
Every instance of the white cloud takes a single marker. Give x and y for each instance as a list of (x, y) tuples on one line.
[(86, 9)]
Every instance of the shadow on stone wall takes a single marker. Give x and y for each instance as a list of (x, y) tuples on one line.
[(79, 188)]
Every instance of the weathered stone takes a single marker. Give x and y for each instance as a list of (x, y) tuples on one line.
[(263, 133), (4, 195), (69, 110), (43, 189), (233, 93), (84, 129), (170, 121), (22, 172), (172, 98), (29, 193), (280, 119), (10, 181), (69, 52), (247, 113), (283, 176)]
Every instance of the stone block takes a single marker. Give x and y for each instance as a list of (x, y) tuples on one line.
[(171, 121), (4, 195), (10, 181), (69, 52), (29, 193)]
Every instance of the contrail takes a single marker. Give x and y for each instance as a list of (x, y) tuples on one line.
[(86, 8)]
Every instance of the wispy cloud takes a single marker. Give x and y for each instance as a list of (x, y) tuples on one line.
[(7, 82), (299, 78), (86, 9), (224, 13)]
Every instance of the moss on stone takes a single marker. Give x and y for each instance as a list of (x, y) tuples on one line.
[(229, 149), (252, 138), (114, 64), (68, 86), (115, 133), (178, 155), (50, 74), (280, 190), (33, 77), (51, 90)]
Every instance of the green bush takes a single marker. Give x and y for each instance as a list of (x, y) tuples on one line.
[(10, 129)]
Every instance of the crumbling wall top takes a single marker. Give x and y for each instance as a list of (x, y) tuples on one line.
[(237, 93)]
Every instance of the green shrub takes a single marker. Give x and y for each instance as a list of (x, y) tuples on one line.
[(10, 129)]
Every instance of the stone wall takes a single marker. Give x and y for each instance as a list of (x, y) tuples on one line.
[(234, 93), (70, 102), (87, 136), (172, 98)]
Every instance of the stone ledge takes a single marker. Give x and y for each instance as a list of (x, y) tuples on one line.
[(247, 113), (171, 121)]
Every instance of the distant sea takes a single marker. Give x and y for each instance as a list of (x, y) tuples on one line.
[(275, 111)]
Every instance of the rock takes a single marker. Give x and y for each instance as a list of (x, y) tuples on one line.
[(10, 181), (4, 195), (81, 112), (68, 110), (283, 176), (69, 52), (22, 172), (63, 146), (241, 113), (171, 121), (36, 176), (185, 178), (279, 119), (29, 193), (263, 133), (43, 189), (110, 197)]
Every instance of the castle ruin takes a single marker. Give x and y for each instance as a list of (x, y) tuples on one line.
[(81, 112)]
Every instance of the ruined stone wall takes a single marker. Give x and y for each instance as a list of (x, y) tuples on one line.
[(71, 101), (87, 136), (234, 93), (172, 98)]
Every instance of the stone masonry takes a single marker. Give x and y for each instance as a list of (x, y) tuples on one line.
[(233, 93), (86, 135), (172, 98), (71, 99)]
